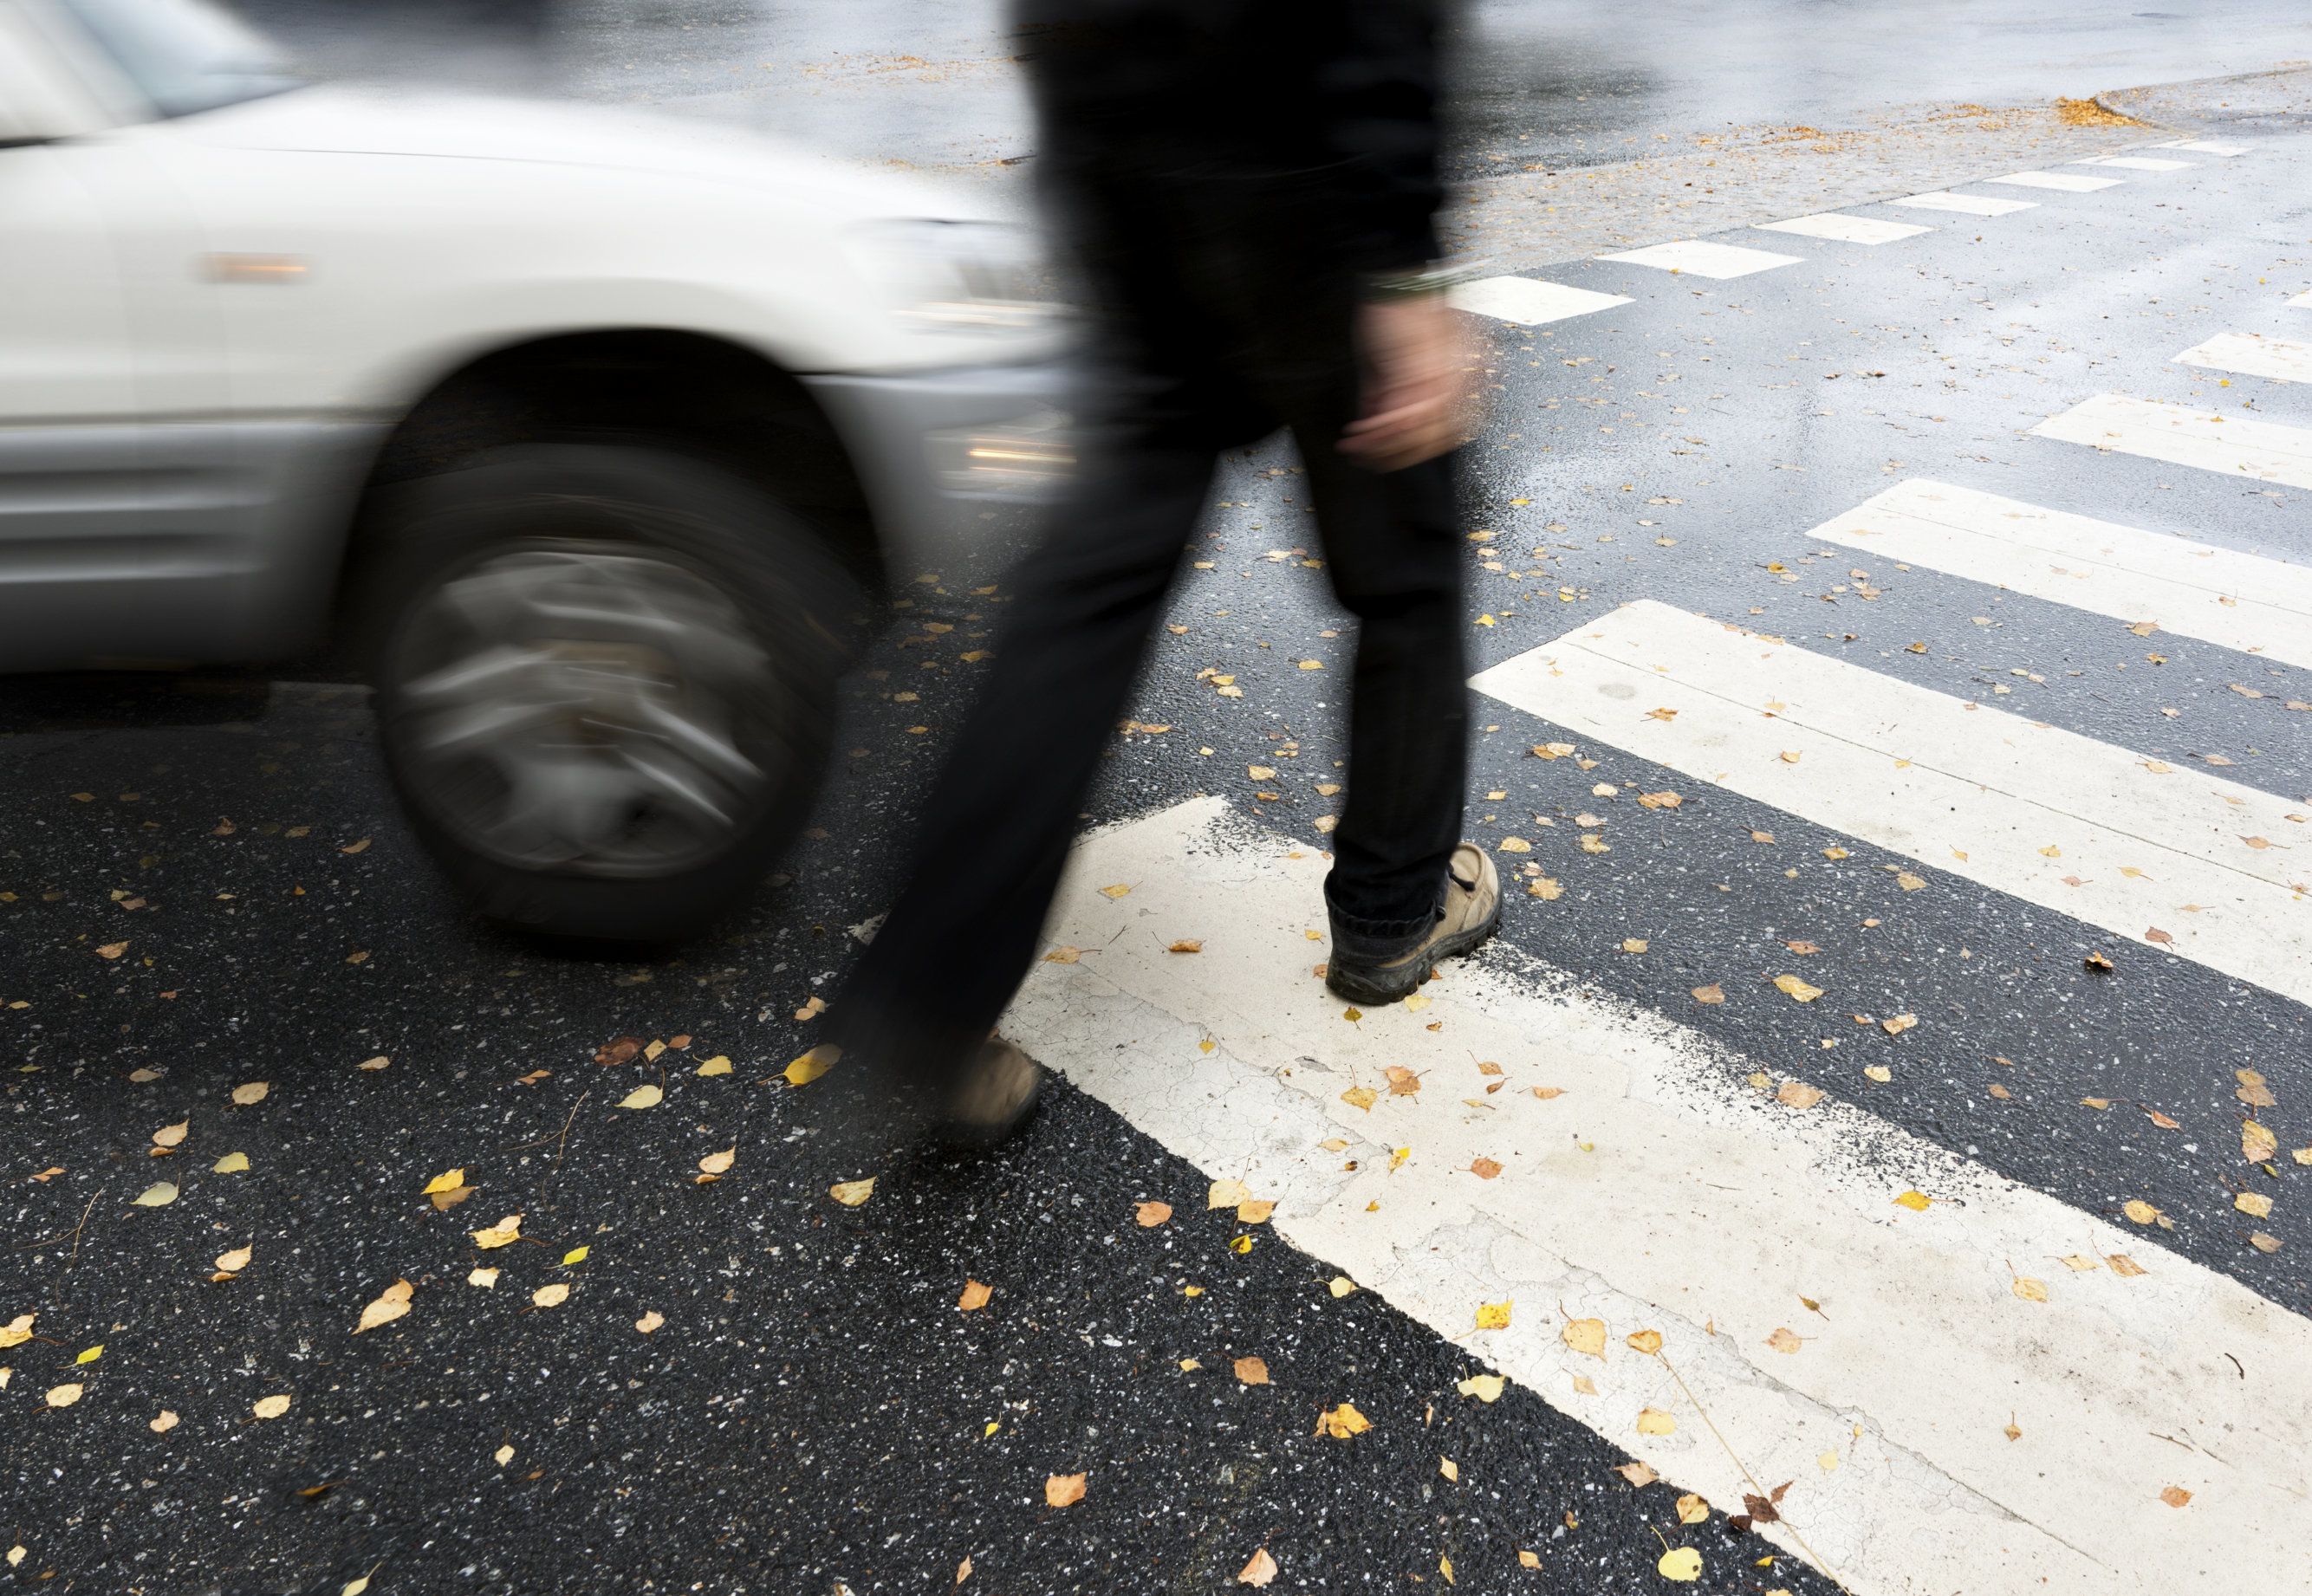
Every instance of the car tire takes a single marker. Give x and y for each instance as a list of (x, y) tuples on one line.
[(605, 680)]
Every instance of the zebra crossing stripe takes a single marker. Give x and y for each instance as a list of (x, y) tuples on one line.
[(2251, 354), (1528, 302), (1700, 259), (1655, 1190), (2138, 163), (2205, 146), (1845, 230), (2236, 445), (2069, 182), (1970, 204), (2146, 848), (2259, 605), (2302, 301)]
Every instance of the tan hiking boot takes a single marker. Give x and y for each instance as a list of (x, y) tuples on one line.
[(1471, 912), (994, 1098)]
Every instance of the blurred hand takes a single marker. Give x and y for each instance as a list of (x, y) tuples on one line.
[(1414, 406)]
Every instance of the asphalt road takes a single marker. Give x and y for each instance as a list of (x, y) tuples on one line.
[(809, 1410)]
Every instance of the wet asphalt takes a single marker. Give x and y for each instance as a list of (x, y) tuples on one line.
[(813, 1412)]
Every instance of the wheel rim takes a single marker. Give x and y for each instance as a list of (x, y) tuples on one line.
[(584, 707)]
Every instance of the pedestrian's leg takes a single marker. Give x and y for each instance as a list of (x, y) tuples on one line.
[(994, 837)]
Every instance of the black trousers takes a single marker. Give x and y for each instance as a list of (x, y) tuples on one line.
[(1208, 344)]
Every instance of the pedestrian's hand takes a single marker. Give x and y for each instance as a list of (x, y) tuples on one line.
[(1414, 407)]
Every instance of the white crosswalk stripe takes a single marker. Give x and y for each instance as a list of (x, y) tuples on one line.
[(2205, 146), (2138, 163), (1971, 205), (1655, 1190), (2069, 182), (2133, 845), (1845, 230), (2236, 445), (2251, 354), (1528, 302), (2243, 601), (1697, 257), (2302, 301)]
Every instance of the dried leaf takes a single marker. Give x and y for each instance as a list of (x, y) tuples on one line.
[(1712, 994), (159, 1195), (1797, 988), (502, 1233), (1486, 1388), (1149, 1216), (1636, 1473), (719, 1064), (1654, 1421), (1799, 1094), (852, 1193), (1227, 1194), (2175, 1495), (1494, 1316), (1361, 1097), (1785, 1340), (169, 1136), (163, 1421), (2140, 1211), (1341, 1286), (812, 1008), (2256, 1204), (483, 1276), (18, 1330), (1916, 1201), (231, 1262), (1256, 1212), (1063, 1490), (1649, 1341), (1342, 1422), (1693, 1510), (1585, 1335), (252, 1093), (64, 1396), (1683, 1563), (2030, 1290), (551, 1297), (450, 1180), (1187, 945), (1449, 1470), (1252, 1370), (646, 1096), (390, 1306), (650, 1321), (1898, 1024), (1258, 1570), (1484, 1169), (272, 1406), (2257, 1144)]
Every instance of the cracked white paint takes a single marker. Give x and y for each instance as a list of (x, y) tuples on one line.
[(1661, 1191)]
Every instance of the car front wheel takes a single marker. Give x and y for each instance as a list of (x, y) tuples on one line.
[(605, 681)]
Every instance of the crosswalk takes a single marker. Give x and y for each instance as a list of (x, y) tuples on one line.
[(1510, 1137)]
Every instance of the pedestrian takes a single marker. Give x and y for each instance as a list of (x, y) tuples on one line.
[(1245, 189)]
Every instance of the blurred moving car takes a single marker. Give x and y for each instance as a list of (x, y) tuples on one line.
[(590, 429)]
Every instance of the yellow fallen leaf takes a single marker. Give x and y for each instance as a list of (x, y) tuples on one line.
[(646, 1096), (502, 1233), (974, 1296), (1515, 845), (1789, 756), (1445, 1568), (1119, 890), (2256, 1204), (1227, 1194), (1187, 945), (64, 1396), (1692, 1509), (272, 1406), (2175, 1495), (232, 1163), (1261, 1568), (1361, 1097), (163, 1421), (1908, 882), (159, 1195), (1636, 1473), (852, 1193), (18, 1330), (1486, 1388), (1654, 1421), (576, 1255), (719, 1163), (1646, 1341), (378, 1062), (1342, 1422), (169, 1136), (1635, 945), (89, 1354), (1528, 1559), (2140, 1211), (1879, 1072), (449, 1181), (1494, 1316), (1342, 1286), (1898, 1024), (1149, 1216), (2258, 1144), (391, 1305), (1585, 1335), (1063, 1490), (1683, 1563), (1449, 1470), (2030, 1290), (1916, 1201), (720, 1065), (252, 1093), (650, 1321), (1797, 988), (1256, 1212), (231, 1262), (112, 950), (551, 1297), (1799, 1094), (1828, 1462), (1785, 1339), (485, 1276), (1252, 1370)]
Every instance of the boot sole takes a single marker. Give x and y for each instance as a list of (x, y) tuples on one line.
[(1376, 988)]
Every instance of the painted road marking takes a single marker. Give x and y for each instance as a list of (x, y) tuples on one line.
[(2303, 301), (2251, 354), (2205, 146), (1971, 205), (2138, 163), (1528, 302), (1660, 1192), (2193, 590), (2108, 837), (1698, 258), (1845, 230), (2070, 182), (2237, 445)]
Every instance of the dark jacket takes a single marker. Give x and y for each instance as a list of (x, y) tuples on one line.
[(1312, 119)]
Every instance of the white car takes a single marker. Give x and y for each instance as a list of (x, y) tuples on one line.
[(591, 427)]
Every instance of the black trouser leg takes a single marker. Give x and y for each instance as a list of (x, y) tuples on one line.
[(996, 834)]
